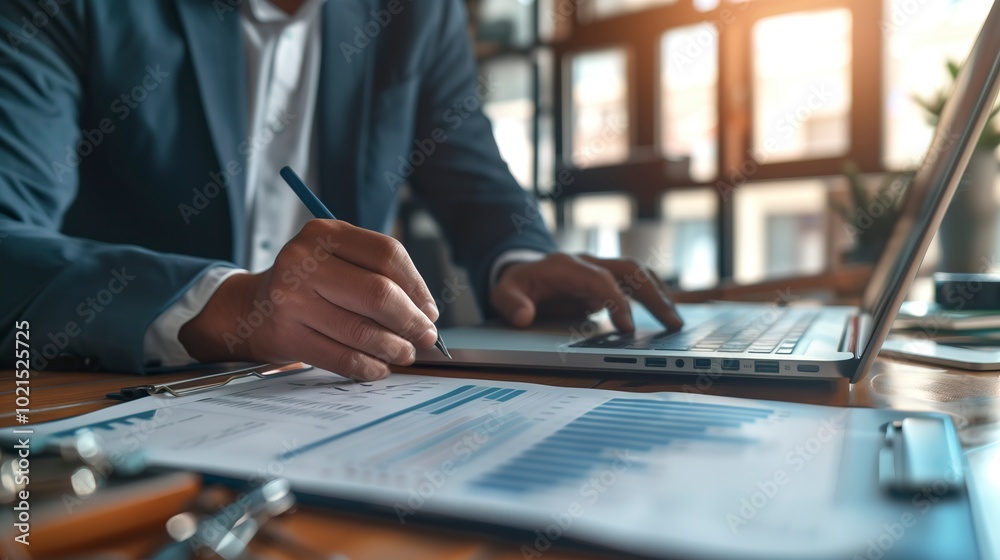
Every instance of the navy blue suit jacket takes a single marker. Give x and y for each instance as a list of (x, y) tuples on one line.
[(123, 143)]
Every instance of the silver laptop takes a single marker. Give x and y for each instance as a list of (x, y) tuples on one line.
[(770, 341)]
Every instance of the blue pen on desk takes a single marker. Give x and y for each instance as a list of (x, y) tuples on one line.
[(319, 210)]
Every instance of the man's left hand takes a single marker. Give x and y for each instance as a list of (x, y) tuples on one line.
[(562, 283)]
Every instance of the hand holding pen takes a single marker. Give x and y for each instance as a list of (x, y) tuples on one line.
[(320, 211), (339, 297)]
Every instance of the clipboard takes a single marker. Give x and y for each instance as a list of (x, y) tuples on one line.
[(207, 382)]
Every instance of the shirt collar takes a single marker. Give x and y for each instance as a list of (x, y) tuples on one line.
[(265, 11)]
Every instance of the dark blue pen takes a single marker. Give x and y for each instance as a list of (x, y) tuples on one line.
[(319, 210), (312, 202)]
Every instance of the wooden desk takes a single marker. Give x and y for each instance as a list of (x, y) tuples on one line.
[(973, 399)]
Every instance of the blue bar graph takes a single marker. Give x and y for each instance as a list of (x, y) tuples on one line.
[(512, 395), (498, 394), (122, 422), (484, 393), (436, 435), (590, 442)]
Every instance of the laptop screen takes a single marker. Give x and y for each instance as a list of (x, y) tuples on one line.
[(932, 187)]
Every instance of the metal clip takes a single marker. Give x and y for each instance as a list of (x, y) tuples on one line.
[(196, 385)]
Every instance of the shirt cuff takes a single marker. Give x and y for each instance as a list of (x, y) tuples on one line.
[(161, 345), (511, 257)]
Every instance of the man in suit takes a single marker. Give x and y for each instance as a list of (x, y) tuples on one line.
[(143, 223)]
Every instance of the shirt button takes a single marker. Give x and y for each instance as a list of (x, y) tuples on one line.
[(265, 245)]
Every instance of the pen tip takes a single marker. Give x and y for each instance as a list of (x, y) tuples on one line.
[(444, 349)]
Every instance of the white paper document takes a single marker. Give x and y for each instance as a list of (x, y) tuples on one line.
[(660, 474)]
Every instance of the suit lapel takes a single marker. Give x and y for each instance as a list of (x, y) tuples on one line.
[(343, 105), (216, 49)]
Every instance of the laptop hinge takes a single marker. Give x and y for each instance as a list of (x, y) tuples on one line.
[(856, 334)]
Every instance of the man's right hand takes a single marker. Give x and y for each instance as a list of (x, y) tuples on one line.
[(338, 297)]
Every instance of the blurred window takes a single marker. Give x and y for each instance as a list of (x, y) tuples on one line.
[(689, 73), (802, 85), (780, 229), (548, 210), (595, 223), (511, 109), (597, 9), (705, 5), (780, 86), (611, 211), (683, 246), (600, 114), (507, 23), (690, 217), (918, 40)]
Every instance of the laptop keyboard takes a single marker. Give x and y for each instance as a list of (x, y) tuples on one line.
[(765, 332)]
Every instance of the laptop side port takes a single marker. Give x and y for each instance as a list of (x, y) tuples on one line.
[(730, 365), (656, 362), (702, 363), (765, 366), (619, 360)]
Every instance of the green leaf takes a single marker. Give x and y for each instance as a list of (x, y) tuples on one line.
[(990, 137), (933, 107), (954, 68)]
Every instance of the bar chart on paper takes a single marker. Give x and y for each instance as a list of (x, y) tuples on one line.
[(517, 441), (500, 439), (595, 439), (451, 427), (508, 453)]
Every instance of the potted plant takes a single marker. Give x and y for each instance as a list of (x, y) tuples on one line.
[(871, 214), (968, 231)]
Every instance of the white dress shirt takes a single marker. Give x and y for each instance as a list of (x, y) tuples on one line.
[(282, 54)]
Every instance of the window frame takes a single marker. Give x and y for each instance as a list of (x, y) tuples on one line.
[(643, 175)]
